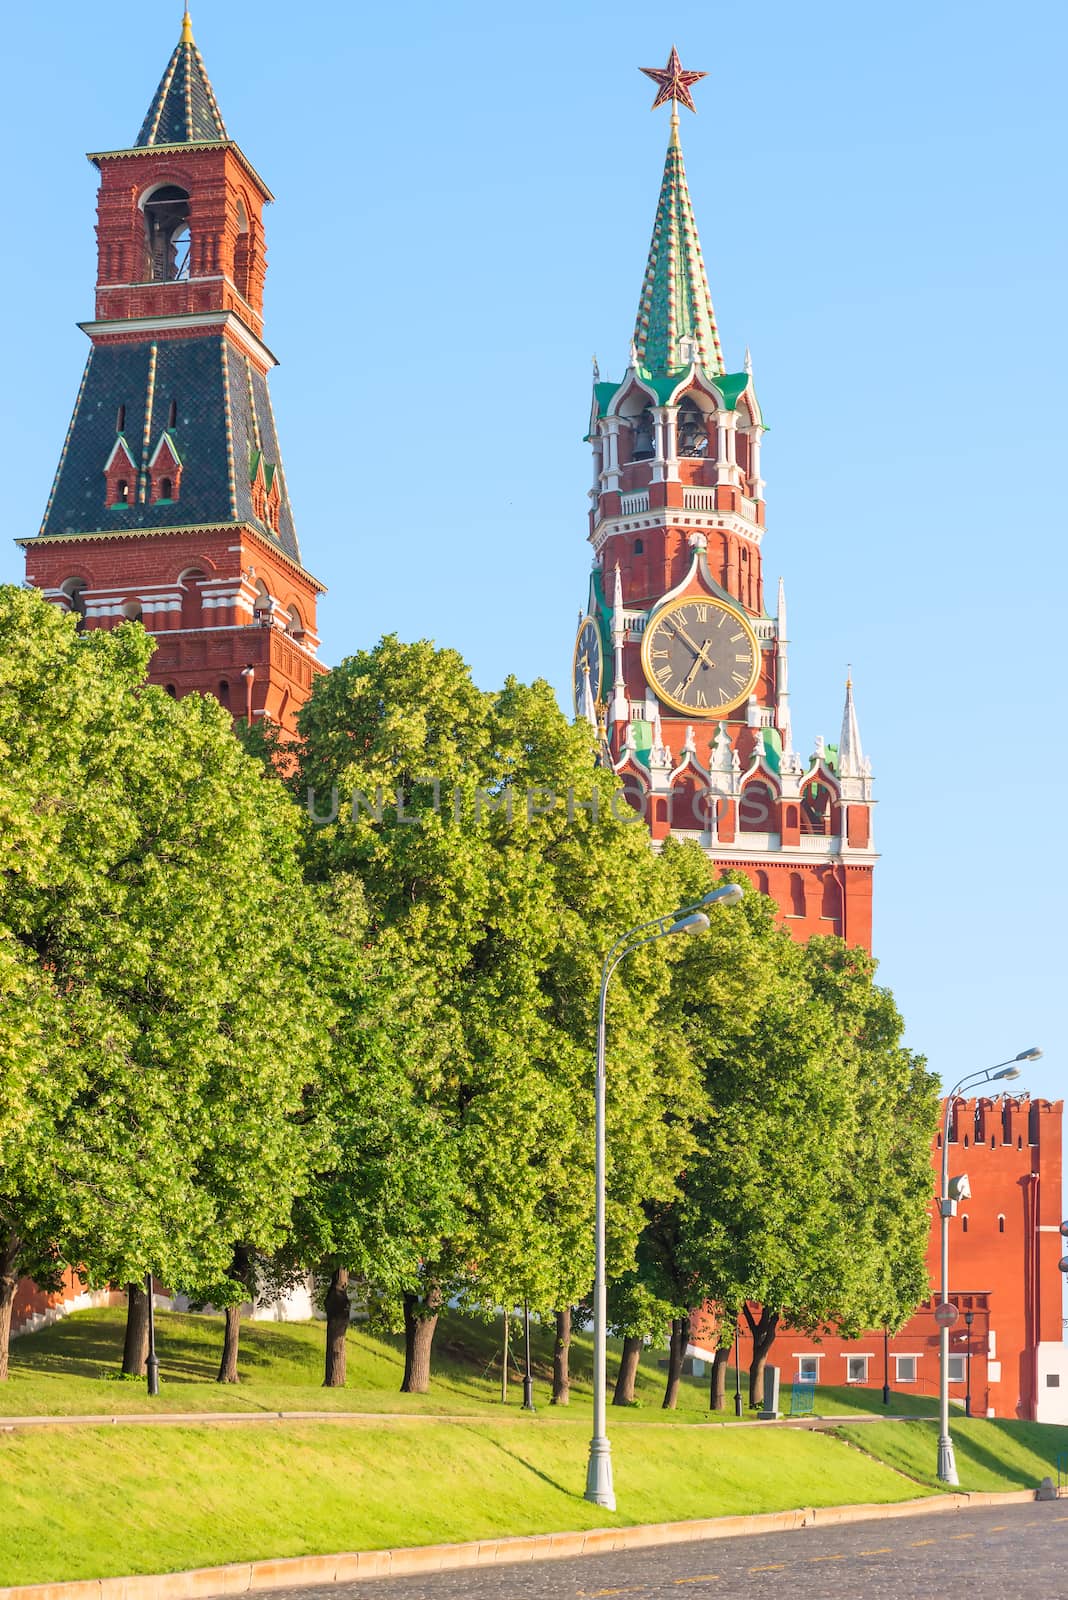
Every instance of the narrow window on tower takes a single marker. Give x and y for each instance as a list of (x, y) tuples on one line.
[(74, 589), (638, 547), (120, 420), (166, 489), (122, 492), (1001, 1224), (172, 413)]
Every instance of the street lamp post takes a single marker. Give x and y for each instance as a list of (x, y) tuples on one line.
[(886, 1366), (152, 1364), (737, 1371), (690, 919), (969, 1318), (947, 1207)]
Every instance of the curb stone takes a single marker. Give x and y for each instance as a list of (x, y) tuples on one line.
[(247, 1577)]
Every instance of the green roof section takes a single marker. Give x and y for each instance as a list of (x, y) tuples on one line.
[(184, 109), (676, 325)]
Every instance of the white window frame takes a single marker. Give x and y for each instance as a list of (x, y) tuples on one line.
[(899, 1375), (813, 1362), (956, 1365), (849, 1358)]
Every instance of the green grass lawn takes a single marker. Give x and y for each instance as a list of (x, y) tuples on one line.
[(99, 1502), (991, 1453), (70, 1369)]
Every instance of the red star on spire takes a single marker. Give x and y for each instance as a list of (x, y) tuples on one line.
[(673, 83)]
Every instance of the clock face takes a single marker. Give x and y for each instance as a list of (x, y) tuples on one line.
[(700, 657), (588, 658)]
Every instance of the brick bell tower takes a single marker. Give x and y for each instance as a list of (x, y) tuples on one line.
[(679, 661), (170, 503)]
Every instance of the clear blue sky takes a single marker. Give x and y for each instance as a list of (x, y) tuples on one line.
[(465, 196)]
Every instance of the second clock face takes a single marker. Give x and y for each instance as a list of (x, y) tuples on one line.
[(701, 657), (587, 659)]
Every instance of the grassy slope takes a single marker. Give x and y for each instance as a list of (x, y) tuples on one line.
[(63, 1372), (99, 1502), (991, 1454)]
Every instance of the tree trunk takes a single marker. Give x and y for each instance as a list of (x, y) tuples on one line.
[(561, 1353), (231, 1341), (763, 1333), (240, 1270), (718, 1395), (420, 1320), (338, 1311), (628, 1370), (135, 1345), (680, 1338), (9, 1279)]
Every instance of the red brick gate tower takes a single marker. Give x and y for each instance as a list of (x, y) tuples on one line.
[(170, 502), (678, 658)]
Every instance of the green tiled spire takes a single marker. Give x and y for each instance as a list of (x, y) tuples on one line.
[(184, 109), (676, 324)]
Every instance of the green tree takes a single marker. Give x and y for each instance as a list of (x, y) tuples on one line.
[(489, 901), (153, 901), (807, 1202)]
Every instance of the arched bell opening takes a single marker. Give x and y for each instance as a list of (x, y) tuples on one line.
[(167, 240)]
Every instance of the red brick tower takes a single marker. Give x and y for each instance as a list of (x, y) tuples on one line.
[(170, 503), (678, 659)]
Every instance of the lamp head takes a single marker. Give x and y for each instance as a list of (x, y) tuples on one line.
[(1034, 1054), (729, 894), (1007, 1072), (696, 922), (960, 1188)]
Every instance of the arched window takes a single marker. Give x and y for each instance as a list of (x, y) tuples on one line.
[(171, 690), (816, 809), (756, 813), (74, 589), (762, 882), (192, 598), (644, 447), (262, 603), (638, 547), (120, 419), (132, 611), (172, 413), (224, 694), (122, 492), (166, 489), (797, 895), (294, 624), (242, 252), (1001, 1224), (691, 430), (167, 233), (831, 900), (964, 1223)]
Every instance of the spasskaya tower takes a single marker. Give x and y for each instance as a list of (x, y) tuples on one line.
[(680, 661), (170, 503)]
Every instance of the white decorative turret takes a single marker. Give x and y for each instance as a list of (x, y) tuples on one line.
[(620, 710), (782, 681), (850, 750), (589, 704)]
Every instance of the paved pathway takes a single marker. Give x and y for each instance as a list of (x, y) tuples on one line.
[(1006, 1553)]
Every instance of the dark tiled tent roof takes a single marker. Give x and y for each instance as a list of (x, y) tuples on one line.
[(184, 109), (222, 415)]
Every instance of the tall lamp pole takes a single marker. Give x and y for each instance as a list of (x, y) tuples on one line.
[(949, 1194), (690, 919), (969, 1318)]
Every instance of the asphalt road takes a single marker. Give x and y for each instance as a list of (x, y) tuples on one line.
[(1003, 1554)]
